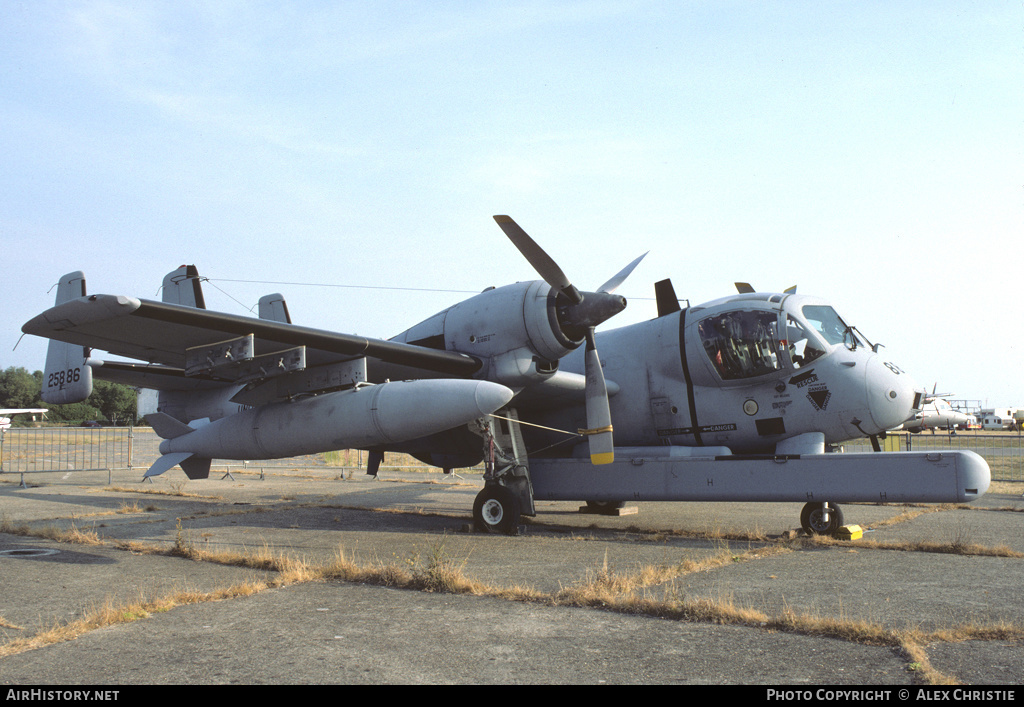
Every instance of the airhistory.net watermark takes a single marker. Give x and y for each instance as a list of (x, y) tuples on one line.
[(36, 695)]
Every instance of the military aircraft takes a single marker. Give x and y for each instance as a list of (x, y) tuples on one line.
[(937, 414), (745, 398), (5, 414)]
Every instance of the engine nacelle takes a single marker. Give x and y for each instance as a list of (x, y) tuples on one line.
[(514, 330)]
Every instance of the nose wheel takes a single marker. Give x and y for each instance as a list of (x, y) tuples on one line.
[(496, 510), (821, 518)]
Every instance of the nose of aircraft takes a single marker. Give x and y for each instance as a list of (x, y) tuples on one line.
[(891, 394)]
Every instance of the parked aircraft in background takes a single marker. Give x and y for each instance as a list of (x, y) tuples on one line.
[(938, 414), (5, 414), (739, 399)]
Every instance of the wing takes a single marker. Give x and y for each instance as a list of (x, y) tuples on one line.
[(201, 341)]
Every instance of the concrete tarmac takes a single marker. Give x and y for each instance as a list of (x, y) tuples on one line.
[(334, 632)]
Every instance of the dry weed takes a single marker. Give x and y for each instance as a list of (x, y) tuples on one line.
[(4, 623), (604, 588)]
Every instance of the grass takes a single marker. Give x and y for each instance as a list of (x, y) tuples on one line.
[(649, 590), (604, 588), (4, 623), (175, 489), (958, 545), (110, 613), (71, 534)]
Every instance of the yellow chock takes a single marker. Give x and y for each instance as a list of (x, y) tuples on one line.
[(850, 532)]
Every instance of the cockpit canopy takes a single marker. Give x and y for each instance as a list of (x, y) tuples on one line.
[(750, 340), (742, 344)]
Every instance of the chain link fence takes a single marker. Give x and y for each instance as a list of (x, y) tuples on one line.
[(67, 449)]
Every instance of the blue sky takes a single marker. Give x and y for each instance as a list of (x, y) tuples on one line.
[(868, 152)]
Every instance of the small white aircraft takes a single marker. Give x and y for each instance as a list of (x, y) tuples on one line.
[(744, 398), (937, 414), (5, 415)]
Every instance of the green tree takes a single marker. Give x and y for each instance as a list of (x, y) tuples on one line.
[(20, 389), (73, 413), (109, 401), (116, 402)]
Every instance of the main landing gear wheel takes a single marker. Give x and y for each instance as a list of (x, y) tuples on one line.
[(605, 506), (496, 510), (812, 518)]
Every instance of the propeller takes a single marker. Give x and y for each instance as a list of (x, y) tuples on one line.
[(546, 267), (621, 276), (579, 314), (599, 414)]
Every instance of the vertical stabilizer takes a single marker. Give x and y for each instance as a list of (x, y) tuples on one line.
[(273, 308), (183, 286), (67, 377)]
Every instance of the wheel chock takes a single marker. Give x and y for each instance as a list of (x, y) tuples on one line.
[(606, 511), (850, 532)]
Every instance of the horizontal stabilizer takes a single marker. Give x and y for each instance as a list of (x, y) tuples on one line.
[(166, 426), (153, 376)]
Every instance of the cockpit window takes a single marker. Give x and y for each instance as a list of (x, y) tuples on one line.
[(741, 344), (831, 327), (803, 348)]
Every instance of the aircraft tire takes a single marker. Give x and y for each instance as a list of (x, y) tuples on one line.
[(811, 519), (496, 510), (606, 505)]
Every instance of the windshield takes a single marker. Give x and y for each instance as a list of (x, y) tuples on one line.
[(803, 347), (832, 328)]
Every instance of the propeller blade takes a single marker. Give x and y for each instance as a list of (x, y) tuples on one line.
[(546, 267), (599, 415), (621, 275)]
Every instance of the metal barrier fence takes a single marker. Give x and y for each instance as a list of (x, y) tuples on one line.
[(63, 449), (31, 450)]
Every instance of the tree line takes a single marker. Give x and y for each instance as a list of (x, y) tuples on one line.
[(110, 402)]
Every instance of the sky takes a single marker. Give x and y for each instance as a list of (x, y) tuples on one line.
[(351, 155)]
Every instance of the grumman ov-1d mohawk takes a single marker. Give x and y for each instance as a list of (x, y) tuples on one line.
[(745, 398)]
